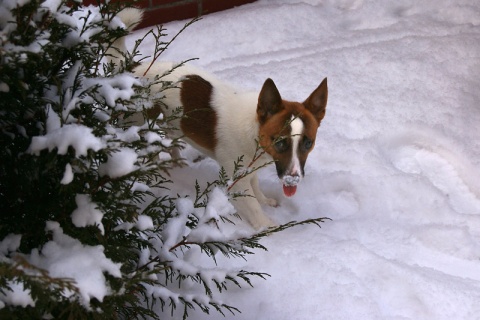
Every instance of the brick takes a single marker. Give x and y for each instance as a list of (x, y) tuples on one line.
[(165, 14), (139, 3), (170, 2), (209, 6), (161, 11), (89, 2)]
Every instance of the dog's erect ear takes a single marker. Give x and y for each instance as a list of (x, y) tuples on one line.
[(317, 101), (269, 101)]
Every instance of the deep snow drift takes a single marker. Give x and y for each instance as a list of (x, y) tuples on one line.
[(396, 161)]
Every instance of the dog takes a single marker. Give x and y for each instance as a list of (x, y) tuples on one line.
[(224, 123)]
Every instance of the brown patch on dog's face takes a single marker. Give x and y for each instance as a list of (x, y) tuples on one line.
[(277, 140), (276, 117), (199, 119)]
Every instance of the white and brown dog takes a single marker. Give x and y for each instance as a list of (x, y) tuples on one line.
[(224, 124)]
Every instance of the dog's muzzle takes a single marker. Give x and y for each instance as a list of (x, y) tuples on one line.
[(290, 184)]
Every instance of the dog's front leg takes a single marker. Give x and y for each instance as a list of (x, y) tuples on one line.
[(248, 207), (259, 194)]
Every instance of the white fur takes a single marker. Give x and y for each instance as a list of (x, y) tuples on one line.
[(237, 130), (297, 130)]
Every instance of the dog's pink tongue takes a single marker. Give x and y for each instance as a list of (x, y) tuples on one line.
[(289, 190)]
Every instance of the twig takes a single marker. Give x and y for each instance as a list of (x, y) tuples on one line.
[(159, 51), (246, 173)]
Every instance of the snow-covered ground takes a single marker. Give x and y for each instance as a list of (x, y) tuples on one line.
[(396, 161)]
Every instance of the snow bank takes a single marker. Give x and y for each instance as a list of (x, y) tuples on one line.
[(395, 162)]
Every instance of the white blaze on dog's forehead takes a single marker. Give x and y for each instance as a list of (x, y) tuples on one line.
[(297, 129)]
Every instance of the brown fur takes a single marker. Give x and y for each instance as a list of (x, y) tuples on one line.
[(275, 114), (154, 112), (199, 120)]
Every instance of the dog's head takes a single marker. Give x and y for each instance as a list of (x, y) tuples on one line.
[(288, 130)]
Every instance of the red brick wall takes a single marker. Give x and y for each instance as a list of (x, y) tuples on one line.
[(161, 11)]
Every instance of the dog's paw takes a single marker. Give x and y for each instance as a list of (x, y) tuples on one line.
[(180, 163), (264, 225), (271, 202)]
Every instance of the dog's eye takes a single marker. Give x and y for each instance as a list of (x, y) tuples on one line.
[(281, 145), (307, 143)]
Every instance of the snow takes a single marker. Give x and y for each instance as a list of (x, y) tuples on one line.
[(218, 205), (77, 136), (67, 175), (16, 296), (87, 213), (10, 243), (66, 257), (111, 89), (144, 223), (119, 163), (291, 180), (175, 227), (395, 164), (53, 120), (4, 87)]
